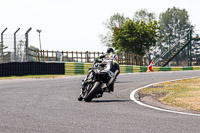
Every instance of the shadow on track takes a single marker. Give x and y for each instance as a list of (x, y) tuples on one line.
[(101, 101)]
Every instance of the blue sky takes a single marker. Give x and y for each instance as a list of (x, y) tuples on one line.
[(74, 25)]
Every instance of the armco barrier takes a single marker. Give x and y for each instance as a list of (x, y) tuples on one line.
[(165, 68), (143, 69), (72, 68), (156, 68), (136, 69), (129, 69), (30, 68), (176, 68), (122, 69), (187, 68), (196, 68)]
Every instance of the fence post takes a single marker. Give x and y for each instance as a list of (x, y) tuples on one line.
[(122, 59), (38, 55), (126, 59), (190, 48), (87, 57), (132, 57), (138, 60), (52, 56), (81, 57), (141, 60), (43, 56), (67, 56), (2, 54), (47, 55), (26, 44), (15, 58), (77, 56), (72, 56), (94, 56), (62, 56), (145, 61)]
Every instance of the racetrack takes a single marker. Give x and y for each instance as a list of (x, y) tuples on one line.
[(51, 105)]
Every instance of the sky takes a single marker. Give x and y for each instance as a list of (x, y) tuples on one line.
[(75, 25)]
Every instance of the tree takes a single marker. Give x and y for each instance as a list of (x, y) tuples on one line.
[(136, 36), (117, 20), (144, 15), (147, 17), (174, 22)]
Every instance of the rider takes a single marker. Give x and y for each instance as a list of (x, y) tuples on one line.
[(111, 56)]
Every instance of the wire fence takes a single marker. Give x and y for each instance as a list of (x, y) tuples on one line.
[(87, 57), (12, 53), (14, 47)]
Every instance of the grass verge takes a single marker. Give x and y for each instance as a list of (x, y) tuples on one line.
[(184, 93)]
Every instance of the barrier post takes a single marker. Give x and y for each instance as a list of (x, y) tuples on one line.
[(26, 44), (2, 54), (15, 56)]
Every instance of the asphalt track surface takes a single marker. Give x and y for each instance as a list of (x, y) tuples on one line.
[(51, 106)]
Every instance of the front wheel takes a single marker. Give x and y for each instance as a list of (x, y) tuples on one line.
[(95, 89), (80, 98)]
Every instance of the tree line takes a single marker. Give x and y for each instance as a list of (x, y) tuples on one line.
[(142, 33)]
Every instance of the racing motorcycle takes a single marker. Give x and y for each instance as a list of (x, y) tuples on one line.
[(99, 78)]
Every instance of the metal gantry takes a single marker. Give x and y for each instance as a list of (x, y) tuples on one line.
[(176, 48)]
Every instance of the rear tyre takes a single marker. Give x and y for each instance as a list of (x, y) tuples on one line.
[(95, 89)]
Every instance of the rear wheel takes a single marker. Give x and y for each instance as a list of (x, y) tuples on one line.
[(95, 89)]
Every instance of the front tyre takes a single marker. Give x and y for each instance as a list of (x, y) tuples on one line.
[(80, 98), (95, 89)]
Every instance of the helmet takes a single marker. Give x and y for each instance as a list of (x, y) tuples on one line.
[(109, 50)]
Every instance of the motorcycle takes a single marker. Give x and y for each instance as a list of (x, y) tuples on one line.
[(100, 77)]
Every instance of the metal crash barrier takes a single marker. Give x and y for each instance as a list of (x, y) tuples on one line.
[(30, 68)]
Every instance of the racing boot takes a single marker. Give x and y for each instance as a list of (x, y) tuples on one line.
[(100, 94), (111, 87)]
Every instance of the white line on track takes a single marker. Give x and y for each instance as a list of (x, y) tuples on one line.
[(132, 96)]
